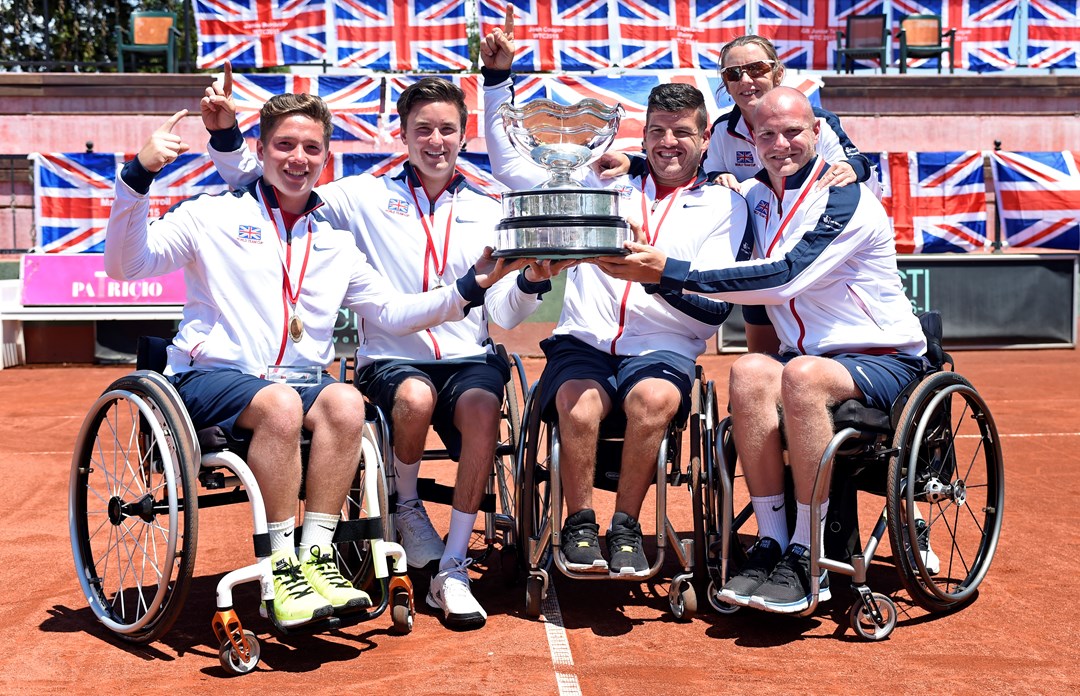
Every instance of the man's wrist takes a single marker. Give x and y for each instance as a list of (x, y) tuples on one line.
[(227, 139)]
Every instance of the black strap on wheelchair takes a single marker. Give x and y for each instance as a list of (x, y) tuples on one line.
[(262, 545), (358, 530), (433, 492)]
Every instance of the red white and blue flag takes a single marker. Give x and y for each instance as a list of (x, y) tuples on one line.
[(353, 101), (632, 91), (936, 200), (475, 167), (1053, 33), (402, 34), (983, 28), (1038, 198), (677, 33), (74, 193), (261, 33), (804, 31), (554, 34), (396, 84)]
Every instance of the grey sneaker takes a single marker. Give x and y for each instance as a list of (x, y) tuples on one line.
[(421, 542), (762, 558), (581, 543), (787, 591)]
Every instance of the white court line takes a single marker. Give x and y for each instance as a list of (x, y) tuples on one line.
[(561, 658)]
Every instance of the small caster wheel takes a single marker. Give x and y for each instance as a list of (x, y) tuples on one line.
[(682, 598), (718, 606), (401, 612), (232, 662), (865, 625), (534, 595)]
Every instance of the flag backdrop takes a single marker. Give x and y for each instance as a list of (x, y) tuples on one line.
[(936, 200), (804, 31), (402, 34), (677, 33), (261, 33), (73, 194), (554, 34), (1053, 33), (1038, 198), (353, 101)]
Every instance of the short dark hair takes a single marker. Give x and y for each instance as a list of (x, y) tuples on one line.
[(282, 106), (673, 97), (431, 89)]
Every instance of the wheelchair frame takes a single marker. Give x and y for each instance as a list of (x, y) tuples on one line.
[(138, 459), (540, 512), (500, 526), (917, 443)]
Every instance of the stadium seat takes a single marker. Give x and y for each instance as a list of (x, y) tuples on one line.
[(152, 32), (865, 36), (920, 36)]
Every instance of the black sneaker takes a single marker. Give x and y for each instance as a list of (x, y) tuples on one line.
[(580, 543), (763, 557), (624, 547), (787, 591)]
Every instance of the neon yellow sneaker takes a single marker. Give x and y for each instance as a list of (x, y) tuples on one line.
[(295, 601), (323, 575)]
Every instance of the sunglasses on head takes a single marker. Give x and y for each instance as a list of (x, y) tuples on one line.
[(759, 68)]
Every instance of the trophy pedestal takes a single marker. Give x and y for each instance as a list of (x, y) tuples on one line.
[(561, 223)]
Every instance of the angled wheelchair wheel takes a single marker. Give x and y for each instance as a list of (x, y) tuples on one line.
[(533, 484), (132, 507), (354, 558), (946, 492), (506, 467)]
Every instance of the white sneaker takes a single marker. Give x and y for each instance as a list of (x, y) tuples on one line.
[(450, 592), (418, 537), (922, 539)]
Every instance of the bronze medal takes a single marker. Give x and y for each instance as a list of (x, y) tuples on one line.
[(296, 328)]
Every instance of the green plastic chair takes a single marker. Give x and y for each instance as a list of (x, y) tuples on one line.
[(152, 32)]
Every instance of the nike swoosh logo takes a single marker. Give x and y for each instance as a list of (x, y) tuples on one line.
[(865, 376), (288, 534), (329, 529), (316, 247), (778, 507)]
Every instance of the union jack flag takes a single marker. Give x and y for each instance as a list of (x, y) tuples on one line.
[(475, 167), (677, 33), (261, 33), (250, 233), (1038, 198), (402, 34), (1053, 33), (554, 34), (804, 31), (983, 28), (74, 194), (632, 91), (396, 84), (353, 101), (936, 200)]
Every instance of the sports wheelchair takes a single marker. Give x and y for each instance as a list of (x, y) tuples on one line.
[(540, 502), (935, 456), (140, 473), (497, 505)]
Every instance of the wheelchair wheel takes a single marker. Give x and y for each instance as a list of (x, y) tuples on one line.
[(354, 557), (946, 492), (132, 506), (506, 467), (533, 480), (702, 486)]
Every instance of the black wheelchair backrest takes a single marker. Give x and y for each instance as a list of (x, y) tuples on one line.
[(150, 353), (932, 328)]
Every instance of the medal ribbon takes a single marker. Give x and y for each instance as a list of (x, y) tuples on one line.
[(430, 251), (802, 196), (288, 297)]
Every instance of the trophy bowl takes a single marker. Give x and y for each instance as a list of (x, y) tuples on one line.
[(561, 219)]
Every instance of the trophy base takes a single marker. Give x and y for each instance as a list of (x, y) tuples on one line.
[(559, 253)]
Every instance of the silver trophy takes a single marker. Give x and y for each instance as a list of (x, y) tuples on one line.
[(561, 219)]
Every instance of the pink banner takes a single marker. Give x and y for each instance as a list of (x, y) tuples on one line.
[(80, 279)]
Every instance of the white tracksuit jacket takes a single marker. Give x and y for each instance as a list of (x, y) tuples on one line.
[(707, 223), (826, 270), (384, 219), (232, 254)]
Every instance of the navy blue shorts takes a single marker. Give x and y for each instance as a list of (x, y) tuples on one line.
[(218, 397), (880, 378), (568, 358), (451, 378)]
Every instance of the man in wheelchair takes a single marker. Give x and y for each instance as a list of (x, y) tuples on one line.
[(265, 277), (826, 274), (417, 228)]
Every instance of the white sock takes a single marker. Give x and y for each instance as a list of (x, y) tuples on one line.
[(802, 525), (406, 474), (318, 530), (457, 541), (281, 535), (771, 514)]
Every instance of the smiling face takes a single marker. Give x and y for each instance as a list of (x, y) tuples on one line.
[(293, 156), (433, 135), (785, 132), (674, 145), (747, 90)]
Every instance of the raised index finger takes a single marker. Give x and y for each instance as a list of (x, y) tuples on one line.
[(173, 120), (226, 85), (508, 23)]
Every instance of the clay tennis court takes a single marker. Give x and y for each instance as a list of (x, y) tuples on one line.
[(607, 637)]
